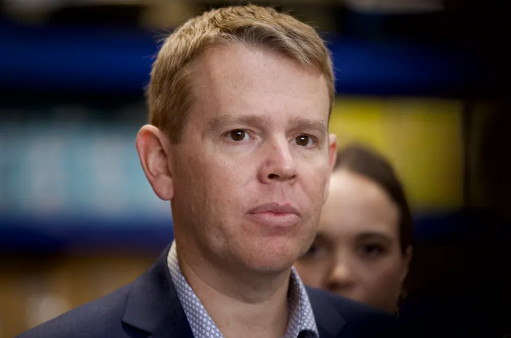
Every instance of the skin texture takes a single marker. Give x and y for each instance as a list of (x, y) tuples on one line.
[(246, 182), (357, 251)]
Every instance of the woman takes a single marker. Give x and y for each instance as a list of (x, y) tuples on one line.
[(363, 247)]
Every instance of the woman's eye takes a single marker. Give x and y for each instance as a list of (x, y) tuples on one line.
[(238, 135), (314, 252), (372, 250)]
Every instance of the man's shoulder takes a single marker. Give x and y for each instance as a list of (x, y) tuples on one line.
[(360, 320), (99, 318), (131, 311)]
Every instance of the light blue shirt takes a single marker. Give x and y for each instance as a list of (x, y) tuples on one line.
[(301, 322)]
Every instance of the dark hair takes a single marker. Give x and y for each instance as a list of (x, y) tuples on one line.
[(363, 161)]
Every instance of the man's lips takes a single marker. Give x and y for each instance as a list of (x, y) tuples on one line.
[(275, 215), (275, 208)]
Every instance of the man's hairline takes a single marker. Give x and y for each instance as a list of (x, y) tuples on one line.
[(192, 66)]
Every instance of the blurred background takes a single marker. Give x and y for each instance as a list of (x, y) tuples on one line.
[(426, 82)]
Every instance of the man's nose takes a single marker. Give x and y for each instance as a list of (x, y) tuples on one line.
[(279, 163)]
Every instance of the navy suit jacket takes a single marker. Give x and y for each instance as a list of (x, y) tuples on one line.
[(149, 308)]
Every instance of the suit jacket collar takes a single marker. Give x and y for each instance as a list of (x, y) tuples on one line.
[(328, 319), (154, 307)]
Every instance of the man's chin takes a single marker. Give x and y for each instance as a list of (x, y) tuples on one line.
[(266, 255), (272, 263)]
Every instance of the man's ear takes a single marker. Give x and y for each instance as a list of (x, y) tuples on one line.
[(154, 151), (332, 157), (332, 150)]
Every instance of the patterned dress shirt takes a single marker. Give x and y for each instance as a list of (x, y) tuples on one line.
[(301, 323)]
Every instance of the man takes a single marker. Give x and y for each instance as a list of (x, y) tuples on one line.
[(239, 103)]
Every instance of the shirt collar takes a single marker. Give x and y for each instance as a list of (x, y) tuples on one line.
[(301, 318)]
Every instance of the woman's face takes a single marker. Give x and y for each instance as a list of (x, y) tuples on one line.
[(356, 252)]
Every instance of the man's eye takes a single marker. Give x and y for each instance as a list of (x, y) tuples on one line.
[(304, 140), (238, 135)]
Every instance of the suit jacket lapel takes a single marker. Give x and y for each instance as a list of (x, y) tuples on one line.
[(328, 320), (173, 325), (153, 305)]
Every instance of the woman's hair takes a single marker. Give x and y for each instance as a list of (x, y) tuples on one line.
[(363, 161)]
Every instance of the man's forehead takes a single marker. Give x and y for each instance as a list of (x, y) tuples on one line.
[(232, 64), (217, 122), (266, 85)]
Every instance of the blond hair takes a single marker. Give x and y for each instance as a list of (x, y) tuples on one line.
[(169, 91)]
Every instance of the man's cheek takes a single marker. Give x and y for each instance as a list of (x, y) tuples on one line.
[(318, 180)]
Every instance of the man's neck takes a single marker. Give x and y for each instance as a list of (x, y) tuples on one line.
[(240, 307)]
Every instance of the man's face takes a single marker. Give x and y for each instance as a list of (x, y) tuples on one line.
[(252, 169)]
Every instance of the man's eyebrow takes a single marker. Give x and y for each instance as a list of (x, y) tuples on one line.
[(304, 123), (222, 121), (226, 120)]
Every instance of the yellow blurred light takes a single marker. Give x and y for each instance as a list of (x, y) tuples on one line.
[(421, 137)]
